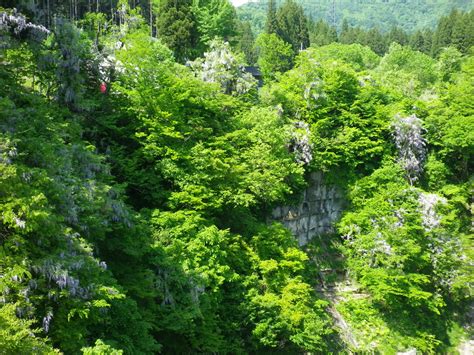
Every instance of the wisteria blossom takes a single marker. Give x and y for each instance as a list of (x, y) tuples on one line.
[(19, 223), (47, 320), (300, 143), (428, 203), (314, 92), (18, 24), (221, 66), (408, 135)]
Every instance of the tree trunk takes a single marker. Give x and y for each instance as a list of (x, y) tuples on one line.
[(151, 18)]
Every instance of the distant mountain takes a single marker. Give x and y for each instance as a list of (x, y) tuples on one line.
[(408, 14)]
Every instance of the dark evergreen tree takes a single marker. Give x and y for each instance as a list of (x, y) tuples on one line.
[(462, 33), (271, 25), (397, 35), (176, 27), (293, 25), (443, 33), (428, 41), (321, 33), (246, 42), (375, 40), (346, 33), (421, 41), (417, 41)]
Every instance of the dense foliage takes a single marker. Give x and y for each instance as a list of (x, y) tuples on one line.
[(299, 28), (408, 15), (136, 191)]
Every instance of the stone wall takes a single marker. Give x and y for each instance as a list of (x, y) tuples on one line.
[(320, 207)]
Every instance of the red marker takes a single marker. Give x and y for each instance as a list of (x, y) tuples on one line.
[(103, 88)]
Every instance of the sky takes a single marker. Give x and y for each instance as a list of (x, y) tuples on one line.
[(239, 2)]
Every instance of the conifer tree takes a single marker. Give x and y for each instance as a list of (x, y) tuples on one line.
[(345, 32), (428, 41), (461, 36), (271, 25), (417, 41), (176, 27), (293, 25), (397, 35), (321, 33), (443, 33), (246, 42), (376, 41)]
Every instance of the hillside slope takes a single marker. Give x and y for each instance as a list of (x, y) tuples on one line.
[(409, 15)]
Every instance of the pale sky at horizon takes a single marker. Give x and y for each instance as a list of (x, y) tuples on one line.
[(239, 2)]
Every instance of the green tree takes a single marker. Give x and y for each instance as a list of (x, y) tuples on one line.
[(177, 28), (246, 42), (449, 63), (101, 349), (274, 55), (320, 33), (215, 19), (17, 335), (407, 70), (292, 25), (463, 29), (223, 67), (443, 33), (403, 247), (450, 125), (397, 35), (271, 24), (344, 36), (418, 42), (375, 40)]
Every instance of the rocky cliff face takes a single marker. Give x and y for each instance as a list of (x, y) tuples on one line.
[(320, 207)]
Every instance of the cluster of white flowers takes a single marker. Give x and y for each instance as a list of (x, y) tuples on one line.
[(7, 152), (353, 230), (47, 320), (410, 144), (19, 223), (23, 311), (119, 211), (58, 273), (105, 65), (196, 291), (221, 66), (400, 218), (161, 284), (313, 93), (18, 24), (59, 270), (444, 248), (300, 143), (103, 265), (428, 203), (75, 191), (381, 245)]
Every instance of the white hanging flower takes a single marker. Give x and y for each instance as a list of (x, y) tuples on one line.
[(300, 143), (220, 66), (47, 320), (19, 223), (428, 203), (410, 144)]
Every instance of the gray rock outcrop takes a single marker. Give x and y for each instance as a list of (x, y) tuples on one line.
[(321, 206)]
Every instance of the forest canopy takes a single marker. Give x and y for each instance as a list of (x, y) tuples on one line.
[(145, 145)]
